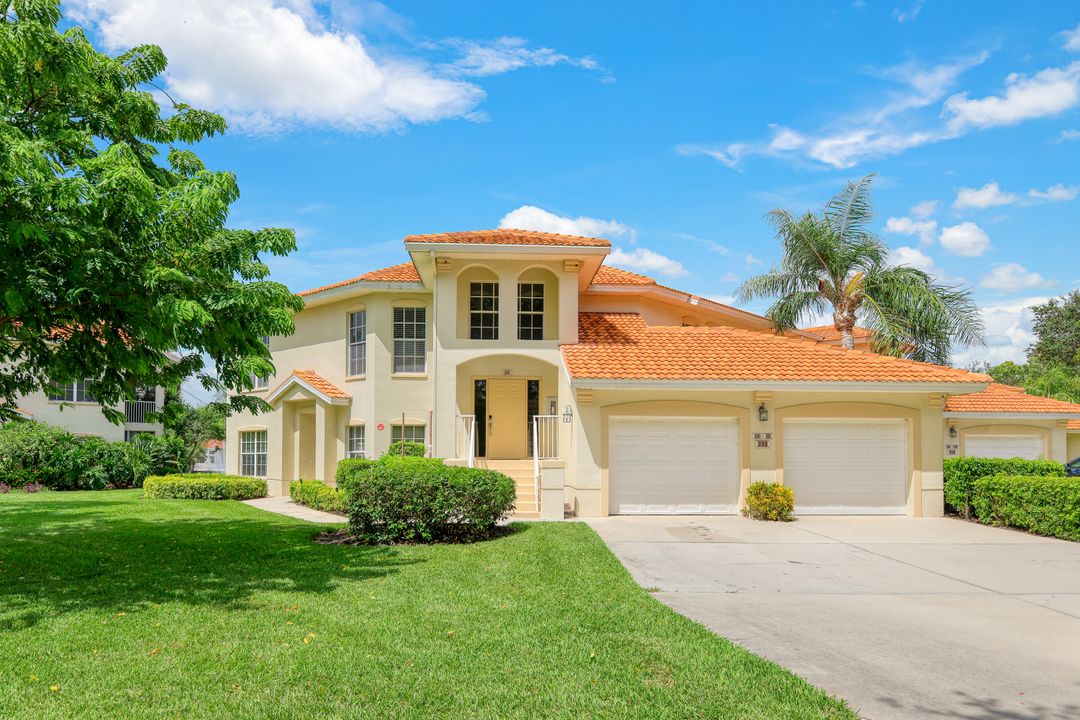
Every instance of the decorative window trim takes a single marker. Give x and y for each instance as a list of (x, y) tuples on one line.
[(410, 339)]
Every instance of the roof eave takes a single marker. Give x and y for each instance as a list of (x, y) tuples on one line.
[(344, 291), (1014, 415), (794, 385), (295, 380), (508, 248)]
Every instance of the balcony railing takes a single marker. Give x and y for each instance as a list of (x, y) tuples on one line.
[(138, 410)]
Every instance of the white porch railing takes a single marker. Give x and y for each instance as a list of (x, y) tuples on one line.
[(137, 410), (467, 437), (545, 446)]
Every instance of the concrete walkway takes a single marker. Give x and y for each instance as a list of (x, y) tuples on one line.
[(906, 618), (283, 505)]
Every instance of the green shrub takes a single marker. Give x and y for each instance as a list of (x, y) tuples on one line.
[(349, 468), (412, 449), (962, 472), (424, 500), (1039, 504), (202, 486), (317, 495), (769, 501)]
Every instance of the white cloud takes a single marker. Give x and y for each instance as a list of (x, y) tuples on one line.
[(530, 217), (909, 15), (751, 260), (925, 229), (914, 257), (1012, 277), (989, 195), (1008, 333), (730, 155), (924, 209), (646, 261), (1044, 94), (1056, 193), (1069, 134), (508, 53), (966, 239), (1072, 39)]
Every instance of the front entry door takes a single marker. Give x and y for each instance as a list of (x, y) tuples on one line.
[(507, 430)]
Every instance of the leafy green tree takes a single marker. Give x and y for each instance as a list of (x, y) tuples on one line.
[(1039, 378), (1057, 331), (832, 262), (194, 426), (110, 254)]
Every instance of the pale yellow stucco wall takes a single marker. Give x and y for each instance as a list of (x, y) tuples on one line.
[(83, 418), (1052, 433)]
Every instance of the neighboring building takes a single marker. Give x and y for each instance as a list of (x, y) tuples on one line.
[(213, 458), (591, 386), (1073, 439), (71, 406)]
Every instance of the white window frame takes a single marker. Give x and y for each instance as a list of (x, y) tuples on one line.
[(357, 442), (397, 432), (483, 321), (527, 309), (410, 340), (73, 392), (253, 453), (357, 344), (261, 383)]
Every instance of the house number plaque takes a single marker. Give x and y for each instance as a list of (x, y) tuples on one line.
[(762, 439)]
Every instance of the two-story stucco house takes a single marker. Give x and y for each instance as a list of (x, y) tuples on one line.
[(597, 388), (71, 406)]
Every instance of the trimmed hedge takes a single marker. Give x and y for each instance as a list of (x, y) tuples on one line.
[(1038, 504), (769, 501), (202, 486), (962, 472), (424, 500), (412, 449), (317, 495)]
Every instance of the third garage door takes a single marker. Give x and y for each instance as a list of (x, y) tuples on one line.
[(846, 466), (670, 465), (1029, 447)]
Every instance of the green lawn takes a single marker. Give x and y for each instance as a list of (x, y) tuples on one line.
[(113, 606)]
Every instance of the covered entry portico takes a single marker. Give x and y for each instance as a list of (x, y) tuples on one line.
[(313, 427)]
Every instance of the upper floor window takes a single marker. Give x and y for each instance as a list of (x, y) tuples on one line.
[(484, 311), (530, 311), (253, 453), (356, 441), (74, 391), (358, 342), (261, 383), (410, 339)]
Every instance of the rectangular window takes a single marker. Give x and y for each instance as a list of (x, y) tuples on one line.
[(261, 383), (253, 453), (484, 311), (410, 339), (358, 343), (408, 433), (71, 392), (530, 311), (356, 441)]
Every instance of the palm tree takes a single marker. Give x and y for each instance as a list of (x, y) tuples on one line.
[(832, 261)]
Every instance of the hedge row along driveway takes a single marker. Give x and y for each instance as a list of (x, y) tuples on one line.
[(115, 606)]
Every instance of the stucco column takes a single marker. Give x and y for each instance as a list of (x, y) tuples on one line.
[(929, 461), (323, 438), (568, 308)]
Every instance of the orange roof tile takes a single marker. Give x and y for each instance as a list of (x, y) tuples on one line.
[(998, 398), (316, 381), (829, 332), (1073, 425), (405, 272), (509, 236), (622, 346), (214, 444), (614, 276)]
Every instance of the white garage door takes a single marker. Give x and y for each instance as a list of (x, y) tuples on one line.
[(673, 465), (1029, 447), (850, 467)]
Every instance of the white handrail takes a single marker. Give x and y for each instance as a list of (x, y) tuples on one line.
[(545, 447), (536, 461), (469, 429)]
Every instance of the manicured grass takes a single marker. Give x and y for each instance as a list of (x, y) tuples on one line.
[(114, 606)]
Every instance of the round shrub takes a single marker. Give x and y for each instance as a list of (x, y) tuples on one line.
[(769, 501), (412, 449), (203, 487), (424, 500)]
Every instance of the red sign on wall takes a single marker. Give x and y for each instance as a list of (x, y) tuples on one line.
[(380, 427)]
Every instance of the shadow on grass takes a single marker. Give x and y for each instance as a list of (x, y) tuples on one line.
[(61, 554)]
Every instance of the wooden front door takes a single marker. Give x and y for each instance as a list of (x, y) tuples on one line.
[(507, 429)]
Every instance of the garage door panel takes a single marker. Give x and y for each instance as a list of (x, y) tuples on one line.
[(846, 466), (673, 466), (1028, 447)]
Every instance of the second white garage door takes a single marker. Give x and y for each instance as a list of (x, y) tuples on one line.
[(846, 466), (1029, 447), (671, 465)]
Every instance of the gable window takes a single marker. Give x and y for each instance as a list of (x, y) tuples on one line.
[(253, 453), (484, 311), (530, 311), (356, 441), (261, 383), (358, 343), (74, 391), (408, 433), (410, 339)]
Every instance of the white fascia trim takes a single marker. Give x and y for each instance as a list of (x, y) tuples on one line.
[(509, 249), (795, 385), (294, 380), (1014, 415), (367, 286)]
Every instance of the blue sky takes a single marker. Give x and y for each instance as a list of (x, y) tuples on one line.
[(671, 130)]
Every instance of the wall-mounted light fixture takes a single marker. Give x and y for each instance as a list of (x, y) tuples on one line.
[(568, 415), (952, 432), (763, 413)]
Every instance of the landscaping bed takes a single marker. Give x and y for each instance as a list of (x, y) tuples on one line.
[(115, 606)]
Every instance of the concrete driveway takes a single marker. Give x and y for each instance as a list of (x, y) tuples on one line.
[(902, 617)]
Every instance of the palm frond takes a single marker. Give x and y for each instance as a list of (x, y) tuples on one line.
[(792, 309), (849, 211)]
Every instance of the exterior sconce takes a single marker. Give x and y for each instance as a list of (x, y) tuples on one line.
[(568, 415), (763, 413), (952, 432)]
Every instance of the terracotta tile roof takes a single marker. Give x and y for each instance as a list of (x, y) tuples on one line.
[(214, 444), (997, 398), (614, 276), (622, 346), (405, 272), (829, 332), (509, 236), (316, 381), (1073, 425)]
